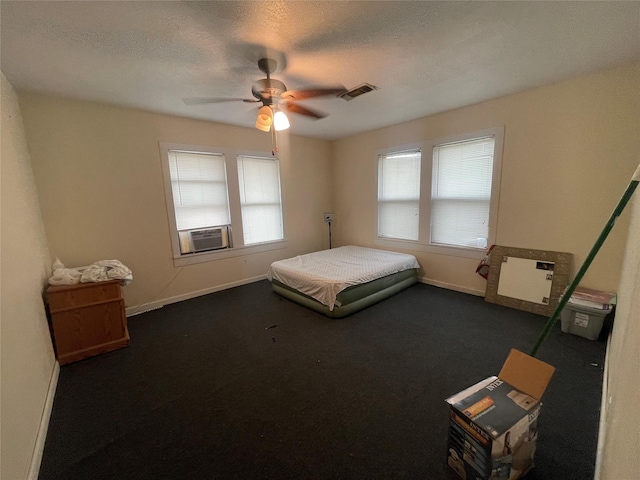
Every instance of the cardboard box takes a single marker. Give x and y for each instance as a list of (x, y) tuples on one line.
[(493, 424)]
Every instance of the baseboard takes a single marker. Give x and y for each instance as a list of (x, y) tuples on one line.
[(145, 307), (451, 286), (603, 411), (41, 437)]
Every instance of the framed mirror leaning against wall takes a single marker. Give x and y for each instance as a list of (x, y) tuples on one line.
[(525, 279)]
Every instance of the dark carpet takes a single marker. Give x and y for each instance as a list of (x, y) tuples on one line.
[(242, 384)]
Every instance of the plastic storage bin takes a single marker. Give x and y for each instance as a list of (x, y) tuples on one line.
[(583, 321)]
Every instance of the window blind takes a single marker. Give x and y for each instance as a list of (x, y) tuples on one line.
[(260, 200), (461, 192), (399, 195), (199, 187)]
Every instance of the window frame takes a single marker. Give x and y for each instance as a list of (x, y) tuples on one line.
[(238, 247), (423, 244)]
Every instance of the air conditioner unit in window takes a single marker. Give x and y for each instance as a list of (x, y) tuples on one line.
[(205, 239)]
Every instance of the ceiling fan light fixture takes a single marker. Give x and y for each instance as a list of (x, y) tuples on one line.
[(272, 93), (280, 121), (265, 118)]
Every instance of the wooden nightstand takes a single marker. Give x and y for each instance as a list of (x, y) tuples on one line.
[(86, 319)]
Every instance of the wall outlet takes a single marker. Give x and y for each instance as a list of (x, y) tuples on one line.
[(328, 217)]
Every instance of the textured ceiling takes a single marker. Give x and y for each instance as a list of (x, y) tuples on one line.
[(425, 57)]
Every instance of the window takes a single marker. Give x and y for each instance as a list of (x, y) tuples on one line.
[(399, 195), (221, 201), (200, 197), (259, 180), (199, 184), (461, 192), (441, 195)]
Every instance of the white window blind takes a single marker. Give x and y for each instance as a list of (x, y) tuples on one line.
[(260, 201), (399, 195), (199, 187), (461, 192)]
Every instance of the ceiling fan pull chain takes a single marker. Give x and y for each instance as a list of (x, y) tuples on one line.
[(274, 139)]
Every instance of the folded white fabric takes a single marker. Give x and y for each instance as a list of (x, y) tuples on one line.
[(106, 270), (99, 271), (64, 276)]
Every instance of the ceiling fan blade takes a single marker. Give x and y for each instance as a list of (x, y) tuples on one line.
[(204, 100), (295, 108), (312, 92)]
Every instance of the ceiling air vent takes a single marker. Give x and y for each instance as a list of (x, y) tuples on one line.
[(357, 91)]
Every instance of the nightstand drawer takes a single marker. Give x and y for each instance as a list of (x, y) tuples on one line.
[(65, 297)]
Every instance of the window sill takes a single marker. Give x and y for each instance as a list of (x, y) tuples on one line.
[(212, 256), (462, 252)]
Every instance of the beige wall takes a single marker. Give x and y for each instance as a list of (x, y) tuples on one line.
[(619, 456), (27, 357), (569, 151), (99, 176)]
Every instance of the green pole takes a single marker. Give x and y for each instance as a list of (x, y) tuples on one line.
[(587, 262)]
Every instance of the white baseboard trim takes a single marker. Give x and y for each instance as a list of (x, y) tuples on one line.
[(145, 307), (451, 286), (41, 437), (602, 427)]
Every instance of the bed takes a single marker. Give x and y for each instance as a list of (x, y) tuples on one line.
[(341, 281)]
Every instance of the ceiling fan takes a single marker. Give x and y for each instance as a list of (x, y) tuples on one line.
[(275, 98)]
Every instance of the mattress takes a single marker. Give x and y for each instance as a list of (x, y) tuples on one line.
[(323, 276)]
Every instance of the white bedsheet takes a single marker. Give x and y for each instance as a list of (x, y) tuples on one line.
[(322, 275)]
